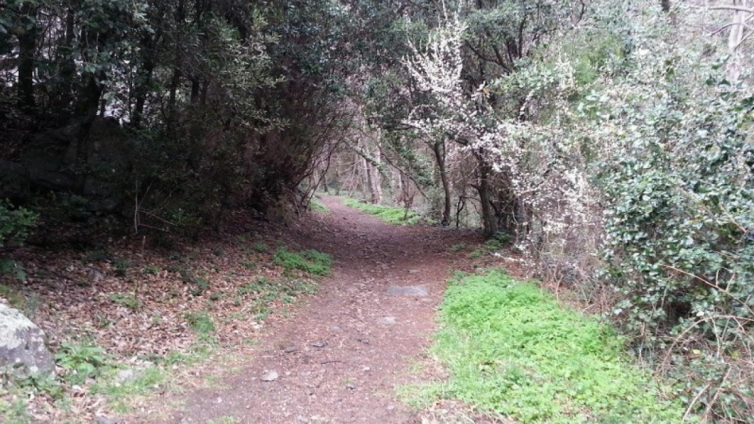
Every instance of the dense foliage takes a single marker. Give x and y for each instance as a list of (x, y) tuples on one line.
[(608, 141), (223, 103)]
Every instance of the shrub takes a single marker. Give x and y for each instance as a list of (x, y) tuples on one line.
[(81, 361), (15, 224)]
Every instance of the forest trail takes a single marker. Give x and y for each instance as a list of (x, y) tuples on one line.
[(341, 356)]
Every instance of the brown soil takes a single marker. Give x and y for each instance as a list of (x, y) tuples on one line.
[(340, 358)]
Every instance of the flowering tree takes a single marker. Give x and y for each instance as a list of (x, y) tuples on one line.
[(533, 162)]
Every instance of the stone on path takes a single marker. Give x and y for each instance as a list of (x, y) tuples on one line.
[(386, 321), (269, 376), (420, 291), (22, 345)]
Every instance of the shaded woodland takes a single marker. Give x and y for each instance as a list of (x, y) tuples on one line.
[(606, 143)]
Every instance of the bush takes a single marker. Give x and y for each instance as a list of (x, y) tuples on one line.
[(679, 220), (81, 361), (15, 224)]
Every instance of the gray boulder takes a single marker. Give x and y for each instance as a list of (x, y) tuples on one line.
[(22, 345)]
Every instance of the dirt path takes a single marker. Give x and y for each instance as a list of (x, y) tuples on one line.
[(339, 359)]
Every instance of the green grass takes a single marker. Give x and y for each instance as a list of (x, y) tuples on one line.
[(389, 214), (308, 261), (317, 206), (260, 247), (128, 300), (201, 322), (120, 394), (510, 349), (458, 247)]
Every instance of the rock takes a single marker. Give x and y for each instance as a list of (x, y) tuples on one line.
[(420, 291), (413, 271), (101, 419), (95, 276), (124, 375), (269, 376), (386, 321), (319, 345), (22, 345)]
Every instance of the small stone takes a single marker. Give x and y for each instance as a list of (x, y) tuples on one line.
[(413, 271), (95, 276), (350, 386), (419, 291), (101, 419), (386, 321), (319, 345), (289, 348), (124, 375), (335, 328), (269, 376)]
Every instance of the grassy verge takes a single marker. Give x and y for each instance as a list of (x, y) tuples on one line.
[(388, 214), (512, 350), (309, 261), (317, 206)]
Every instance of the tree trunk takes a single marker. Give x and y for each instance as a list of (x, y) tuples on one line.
[(91, 101), (736, 37), (376, 185), (488, 215), (142, 89), (175, 82), (27, 44), (439, 149), (366, 180), (68, 65), (195, 90)]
